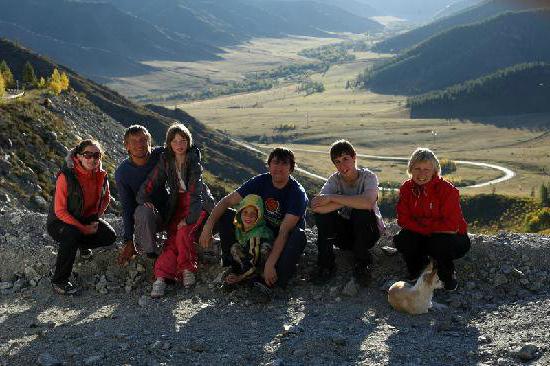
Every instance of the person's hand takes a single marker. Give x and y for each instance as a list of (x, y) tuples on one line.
[(270, 274), (91, 228), (181, 224), (320, 200), (149, 205), (205, 240)]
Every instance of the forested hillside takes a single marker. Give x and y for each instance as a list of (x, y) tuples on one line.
[(523, 88), (471, 15), (464, 53)]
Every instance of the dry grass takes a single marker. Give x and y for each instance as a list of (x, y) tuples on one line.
[(376, 124)]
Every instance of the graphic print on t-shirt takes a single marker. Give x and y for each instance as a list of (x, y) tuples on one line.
[(272, 211)]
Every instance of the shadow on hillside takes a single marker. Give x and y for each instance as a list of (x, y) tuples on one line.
[(531, 121)]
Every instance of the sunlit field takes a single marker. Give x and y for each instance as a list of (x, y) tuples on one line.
[(376, 124)]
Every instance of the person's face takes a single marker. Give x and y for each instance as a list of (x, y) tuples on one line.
[(345, 164), (90, 157), (138, 145), (249, 216), (179, 145), (422, 172), (279, 170)]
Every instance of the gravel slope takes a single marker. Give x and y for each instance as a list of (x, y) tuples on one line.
[(499, 316)]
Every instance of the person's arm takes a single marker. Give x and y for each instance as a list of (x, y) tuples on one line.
[(155, 179), (288, 223), (128, 202), (230, 200), (365, 201)]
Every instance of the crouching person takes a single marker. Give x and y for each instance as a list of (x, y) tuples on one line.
[(254, 240), (180, 170), (347, 215), (74, 220), (431, 220)]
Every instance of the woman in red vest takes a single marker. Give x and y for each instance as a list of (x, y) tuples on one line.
[(431, 220), (81, 197)]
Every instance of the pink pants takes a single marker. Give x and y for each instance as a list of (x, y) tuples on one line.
[(179, 252)]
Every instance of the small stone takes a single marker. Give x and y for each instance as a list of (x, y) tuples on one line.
[(483, 339), (198, 347), (166, 346), (46, 359), (528, 352), (350, 289), (277, 362), (5, 285), (92, 360), (389, 251), (143, 300), (140, 268), (339, 340)]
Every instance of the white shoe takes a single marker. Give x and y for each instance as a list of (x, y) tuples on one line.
[(159, 286), (188, 278)]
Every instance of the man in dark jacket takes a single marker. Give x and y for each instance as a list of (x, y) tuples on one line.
[(140, 223)]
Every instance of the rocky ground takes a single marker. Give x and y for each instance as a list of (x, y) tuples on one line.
[(500, 315)]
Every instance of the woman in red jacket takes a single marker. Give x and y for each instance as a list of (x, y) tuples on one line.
[(431, 220), (81, 197)]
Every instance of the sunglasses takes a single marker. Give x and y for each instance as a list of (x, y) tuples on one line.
[(89, 155)]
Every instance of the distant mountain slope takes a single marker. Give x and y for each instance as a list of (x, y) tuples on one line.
[(471, 15), (413, 10), (94, 35), (112, 38), (219, 150), (465, 53), (524, 88), (455, 7), (235, 20)]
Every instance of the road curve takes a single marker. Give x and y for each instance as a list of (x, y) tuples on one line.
[(507, 173)]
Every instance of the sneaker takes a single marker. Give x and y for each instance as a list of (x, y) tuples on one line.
[(159, 287), (66, 288), (188, 278), (85, 254), (362, 274), (262, 292), (127, 253), (323, 275)]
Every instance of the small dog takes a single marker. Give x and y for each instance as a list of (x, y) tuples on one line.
[(415, 299)]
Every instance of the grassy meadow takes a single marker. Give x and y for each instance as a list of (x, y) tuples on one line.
[(379, 125)]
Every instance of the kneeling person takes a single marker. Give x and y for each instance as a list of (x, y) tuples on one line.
[(254, 239), (346, 214)]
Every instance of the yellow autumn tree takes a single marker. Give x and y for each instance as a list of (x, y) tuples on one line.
[(58, 82), (41, 83), (2, 86)]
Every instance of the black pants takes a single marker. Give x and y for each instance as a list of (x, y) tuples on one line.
[(359, 233), (70, 239), (286, 264), (443, 248)]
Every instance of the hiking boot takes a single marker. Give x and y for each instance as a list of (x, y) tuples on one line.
[(323, 275), (188, 278), (159, 287), (126, 253), (65, 288), (451, 284), (85, 254), (362, 274)]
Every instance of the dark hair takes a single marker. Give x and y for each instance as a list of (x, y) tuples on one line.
[(282, 154), (177, 129), (340, 148), (82, 145), (135, 129)]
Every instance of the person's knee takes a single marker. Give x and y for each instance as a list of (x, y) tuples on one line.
[(144, 214)]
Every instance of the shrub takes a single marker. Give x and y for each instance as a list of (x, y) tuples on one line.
[(58, 82), (447, 166), (538, 220)]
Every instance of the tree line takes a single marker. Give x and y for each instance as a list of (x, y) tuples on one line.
[(523, 88), (56, 82)]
